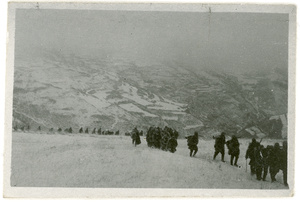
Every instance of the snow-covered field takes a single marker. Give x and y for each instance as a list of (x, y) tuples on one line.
[(82, 160)]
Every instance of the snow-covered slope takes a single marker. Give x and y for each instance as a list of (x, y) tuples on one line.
[(55, 92), (77, 160)]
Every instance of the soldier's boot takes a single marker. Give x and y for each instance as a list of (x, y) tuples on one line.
[(273, 179)]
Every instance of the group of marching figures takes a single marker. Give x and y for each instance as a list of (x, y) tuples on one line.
[(70, 130), (271, 158), (263, 160), (156, 137)]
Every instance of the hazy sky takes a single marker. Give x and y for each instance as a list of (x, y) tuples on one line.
[(230, 41)]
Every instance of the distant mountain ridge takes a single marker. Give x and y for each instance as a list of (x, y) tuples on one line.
[(70, 91)]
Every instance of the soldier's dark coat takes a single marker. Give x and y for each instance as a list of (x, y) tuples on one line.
[(250, 153), (172, 144), (259, 164), (219, 145), (136, 140), (274, 160), (284, 161), (233, 146), (192, 142)]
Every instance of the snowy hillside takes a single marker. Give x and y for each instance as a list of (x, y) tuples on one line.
[(56, 160), (69, 91)]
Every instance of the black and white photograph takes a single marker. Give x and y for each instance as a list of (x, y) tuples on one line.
[(164, 99)]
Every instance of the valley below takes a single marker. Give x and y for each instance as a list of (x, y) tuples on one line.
[(57, 91)]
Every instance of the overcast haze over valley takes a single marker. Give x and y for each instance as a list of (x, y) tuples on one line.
[(223, 41), (118, 69)]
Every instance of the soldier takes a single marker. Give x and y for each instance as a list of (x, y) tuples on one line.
[(258, 161), (87, 131), (136, 140), (233, 146), (99, 131), (274, 160), (59, 130), (149, 136), (192, 142), (170, 131), (81, 130), (164, 140), (15, 128), (157, 137), (265, 151), (172, 144), (176, 134), (70, 130), (219, 146), (284, 163), (250, 154), (94, 131)]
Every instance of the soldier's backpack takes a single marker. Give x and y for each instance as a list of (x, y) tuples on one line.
[(229, 146)]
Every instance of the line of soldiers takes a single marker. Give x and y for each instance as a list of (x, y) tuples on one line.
[(267, 159), (164, 139), (23, 128), (70, 130), (99, 132), (262, 159)]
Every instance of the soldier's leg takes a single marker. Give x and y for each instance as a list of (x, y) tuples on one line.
[(272, 173), (191, 152), (258, 173), (231, 159), (223, 153), (252, 167), (265, 170), (216, 153), (285, 176), (272, 177), (195, 151), (236, 160)]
